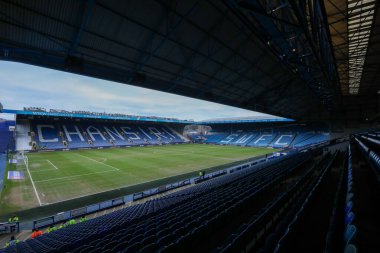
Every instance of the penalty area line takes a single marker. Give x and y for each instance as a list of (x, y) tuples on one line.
[(52, 164), (34, 186), (37, 171), (89, 158), (60, 178)]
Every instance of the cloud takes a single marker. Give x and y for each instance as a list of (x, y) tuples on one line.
[(24, 85)]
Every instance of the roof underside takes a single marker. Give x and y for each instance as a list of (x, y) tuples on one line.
[(267, 56), (355, 33), (350, 23)]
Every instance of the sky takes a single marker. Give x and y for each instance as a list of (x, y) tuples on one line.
[(24, 85)]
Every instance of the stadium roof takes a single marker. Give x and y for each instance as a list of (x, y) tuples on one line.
[(102, 116), (41, 112), (275, 57), (354, 27), (255, 119), (350, 26)]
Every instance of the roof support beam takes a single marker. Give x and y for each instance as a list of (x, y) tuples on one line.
[(88, 6)]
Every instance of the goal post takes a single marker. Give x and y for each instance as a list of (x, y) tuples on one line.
[(22, 158), (26, 162)]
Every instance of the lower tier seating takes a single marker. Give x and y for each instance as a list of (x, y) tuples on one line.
[(172, 222)]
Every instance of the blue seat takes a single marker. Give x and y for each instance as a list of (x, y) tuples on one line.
[(349, 233), (349, 218), (349, 206), (349, 197), (109, 244), (136, 238), (82, 249), (148, 240), (166, 240), (350, 248), (163, 232), (121, 245), (133, 248), (149, 248), (171, 248)]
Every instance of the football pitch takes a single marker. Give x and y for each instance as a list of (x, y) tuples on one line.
[(63, 175)]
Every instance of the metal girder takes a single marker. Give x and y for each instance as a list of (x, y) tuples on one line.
[(292, 49), (249, 61), (144, 60), (186, 69), (234, 53), (262, 12), (88, 6)]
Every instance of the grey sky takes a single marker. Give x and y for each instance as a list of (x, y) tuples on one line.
[(24, 85)]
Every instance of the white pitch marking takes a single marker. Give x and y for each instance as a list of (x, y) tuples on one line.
[(59, 178), (198, 154), (98, 162), (36, 171), (34, 187), (117, 188), (52, 164)]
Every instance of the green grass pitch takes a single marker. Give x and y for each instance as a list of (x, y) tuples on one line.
[(59, 176)]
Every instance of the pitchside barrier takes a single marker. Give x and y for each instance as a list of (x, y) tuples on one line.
[(75, 213), (160, 189), (7, 228)]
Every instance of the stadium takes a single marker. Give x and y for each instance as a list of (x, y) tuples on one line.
[(301, 175)]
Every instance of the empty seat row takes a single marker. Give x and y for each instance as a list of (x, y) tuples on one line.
[(247, 237), (349, 227), (286, 241)]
